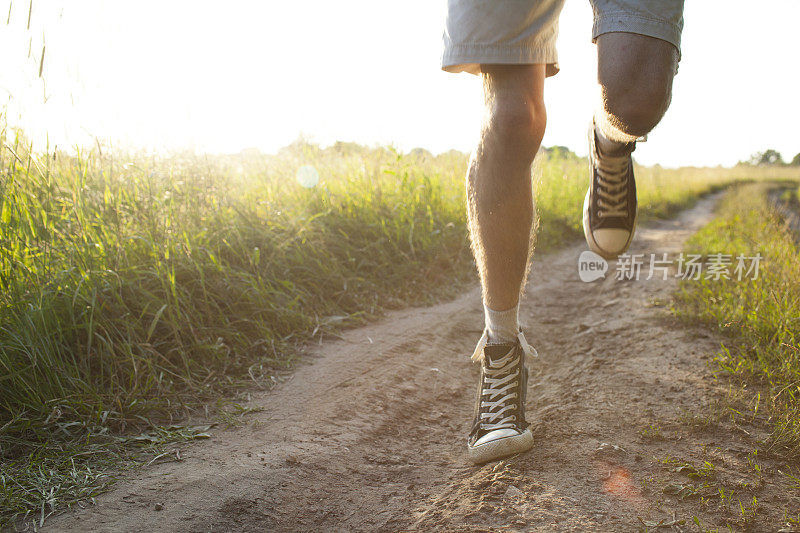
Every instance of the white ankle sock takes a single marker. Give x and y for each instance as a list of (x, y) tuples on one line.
[(503, 326), (608, 130)]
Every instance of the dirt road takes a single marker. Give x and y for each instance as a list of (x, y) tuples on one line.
[(370, 433)]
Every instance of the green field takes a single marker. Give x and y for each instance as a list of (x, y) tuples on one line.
[(139, 289)]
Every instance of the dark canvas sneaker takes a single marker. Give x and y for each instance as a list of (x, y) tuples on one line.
[(500, 429), (609, 209)]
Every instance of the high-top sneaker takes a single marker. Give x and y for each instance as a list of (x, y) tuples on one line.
[(500, 428), (609, 209)]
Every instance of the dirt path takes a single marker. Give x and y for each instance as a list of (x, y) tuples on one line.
[(370, 433)]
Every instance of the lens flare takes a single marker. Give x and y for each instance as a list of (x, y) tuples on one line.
[(618, 483), (307, 176)]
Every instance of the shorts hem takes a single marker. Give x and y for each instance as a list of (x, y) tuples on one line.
[(628, 23), (469, 57)]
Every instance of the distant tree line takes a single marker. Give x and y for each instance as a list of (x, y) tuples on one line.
[(772, 157)]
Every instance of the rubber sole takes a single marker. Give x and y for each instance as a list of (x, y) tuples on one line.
[(497, 449)]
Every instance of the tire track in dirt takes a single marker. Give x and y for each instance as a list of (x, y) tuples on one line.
[(370, 432)]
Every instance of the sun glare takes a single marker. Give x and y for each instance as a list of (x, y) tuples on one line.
[(307, 176), (224, 77)]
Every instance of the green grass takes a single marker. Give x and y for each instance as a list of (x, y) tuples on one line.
[(561, 185), (761, 318), (135, 289)]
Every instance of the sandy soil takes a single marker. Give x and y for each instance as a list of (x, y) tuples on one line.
[(370, 432)]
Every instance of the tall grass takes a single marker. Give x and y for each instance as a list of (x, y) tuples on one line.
[(135, 287), (126, 280), (760, 317)]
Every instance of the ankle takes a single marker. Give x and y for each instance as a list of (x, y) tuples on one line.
[(611, 148), (502, 326), (611, 141)]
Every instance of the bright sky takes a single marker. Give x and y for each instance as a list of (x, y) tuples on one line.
[(223, 76)]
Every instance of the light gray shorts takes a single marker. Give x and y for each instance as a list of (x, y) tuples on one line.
[(525, 31)]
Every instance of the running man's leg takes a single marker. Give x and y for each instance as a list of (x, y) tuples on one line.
[(635, 74), (500, 211), (638, 47), (499, 197), (511, 44)]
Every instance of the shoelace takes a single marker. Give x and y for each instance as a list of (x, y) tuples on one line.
[(612, 178), (527, 349), (498, 385), (499, 390)]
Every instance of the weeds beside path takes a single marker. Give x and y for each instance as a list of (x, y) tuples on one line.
[(761, 318)]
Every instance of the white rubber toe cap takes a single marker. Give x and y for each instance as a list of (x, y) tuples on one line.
[(496, 434), (611, 241), (606, 242), (501, 446)]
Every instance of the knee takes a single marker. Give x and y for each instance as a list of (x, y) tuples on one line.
[(635, 74), (518, 123), (636, 107)]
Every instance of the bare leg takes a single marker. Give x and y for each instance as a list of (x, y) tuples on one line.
[(635, 73), (499, 197), (500, 210)]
